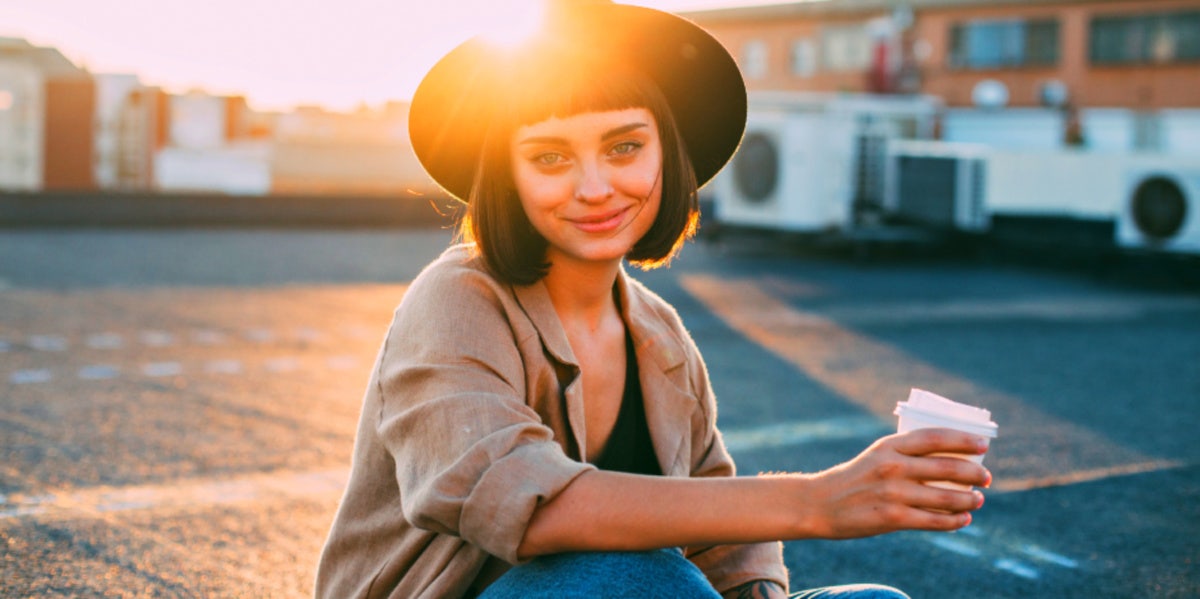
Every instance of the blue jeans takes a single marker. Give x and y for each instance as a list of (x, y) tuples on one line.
[(661, 574)]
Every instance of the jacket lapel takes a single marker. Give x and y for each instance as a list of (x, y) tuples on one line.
[(669, 402), (535, 301)]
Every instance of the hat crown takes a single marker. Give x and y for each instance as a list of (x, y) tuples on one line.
[(463, 94)]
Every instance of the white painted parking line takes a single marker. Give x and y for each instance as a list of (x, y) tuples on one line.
[(30, 377), (157, 338), (1066, 308), (1018, 484), (359, 332), (955, 545), (875, 375), (47, 342), (105, 341), (286, 364), (98, 372), (260, 335), (1044, 555), (309, 334), (319, 484), (804, 431), (223, 367), (1017, 567), (1000, 550), (208, 337), (162, 369), (342, 362)]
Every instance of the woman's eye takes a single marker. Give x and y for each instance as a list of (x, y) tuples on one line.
[(625, 147), (548, 159)]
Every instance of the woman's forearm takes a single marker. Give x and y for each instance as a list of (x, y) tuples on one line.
[(881, 490), (612, 511)]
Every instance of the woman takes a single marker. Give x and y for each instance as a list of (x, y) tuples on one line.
[(532, 404)]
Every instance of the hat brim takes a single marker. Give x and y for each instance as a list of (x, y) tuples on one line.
[(453, 106)]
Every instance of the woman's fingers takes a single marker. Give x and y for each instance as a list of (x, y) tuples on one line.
[(921, 519), (941, 499), (951, 469), (938, 440)]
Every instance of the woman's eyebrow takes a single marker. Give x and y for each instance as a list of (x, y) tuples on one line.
[(611, 133), (543, 140), (622, 130)]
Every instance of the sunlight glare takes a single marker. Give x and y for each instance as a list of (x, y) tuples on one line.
[(522, 21)]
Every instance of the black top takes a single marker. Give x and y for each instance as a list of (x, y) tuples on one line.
[(629, 446)]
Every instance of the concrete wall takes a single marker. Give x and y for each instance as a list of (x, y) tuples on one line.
[(80, 209)]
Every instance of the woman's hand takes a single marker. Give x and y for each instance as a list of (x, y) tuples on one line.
[(881, 490)]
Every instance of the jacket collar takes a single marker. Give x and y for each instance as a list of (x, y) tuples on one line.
[(670, 402), (651, 335)]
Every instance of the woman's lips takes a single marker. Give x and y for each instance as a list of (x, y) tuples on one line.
[(599, 223)]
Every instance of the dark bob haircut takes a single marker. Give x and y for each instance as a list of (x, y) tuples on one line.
[(495, 220)]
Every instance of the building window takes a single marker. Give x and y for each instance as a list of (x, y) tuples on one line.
[(1141, 39), (1003, 44), (845, 48), (804, 57), (754, 59)]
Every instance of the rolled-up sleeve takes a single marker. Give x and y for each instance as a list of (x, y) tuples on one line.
[(472, 459)]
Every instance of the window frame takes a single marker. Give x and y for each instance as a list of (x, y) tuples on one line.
[(1138, 33), (1021, 43)]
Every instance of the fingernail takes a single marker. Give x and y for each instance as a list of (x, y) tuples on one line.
[(966, 520), (978, 500), (988, 483)]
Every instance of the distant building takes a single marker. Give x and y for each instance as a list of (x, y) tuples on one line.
[(363, 152), (22, 112), (141, 133), (113, 94), (212, 144), (63, 110), (1133, 54), (61, 128)]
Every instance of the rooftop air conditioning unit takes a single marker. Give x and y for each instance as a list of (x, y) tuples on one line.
[(1161, 209), (936, 185), (792, 172)]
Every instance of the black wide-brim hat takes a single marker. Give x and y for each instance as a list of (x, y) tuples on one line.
[(457, 100)]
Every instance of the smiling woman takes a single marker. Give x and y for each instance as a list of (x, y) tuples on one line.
[(540, 424)]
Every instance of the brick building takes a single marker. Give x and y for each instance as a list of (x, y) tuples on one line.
[(1132, 54)]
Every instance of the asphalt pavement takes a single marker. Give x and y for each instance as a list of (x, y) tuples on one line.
[(177, 407)]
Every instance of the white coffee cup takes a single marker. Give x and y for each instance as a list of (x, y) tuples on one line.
[(929, 410)]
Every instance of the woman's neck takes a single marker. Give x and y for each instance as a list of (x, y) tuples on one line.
[(582, 293)]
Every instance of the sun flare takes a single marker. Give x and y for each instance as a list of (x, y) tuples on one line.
[(521, 22)]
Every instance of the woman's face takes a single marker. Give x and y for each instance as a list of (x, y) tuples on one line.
[(591, 184)]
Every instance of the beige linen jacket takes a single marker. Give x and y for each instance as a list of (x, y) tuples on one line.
[(474, 416)]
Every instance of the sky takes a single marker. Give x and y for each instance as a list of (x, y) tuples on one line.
[(279, 54)]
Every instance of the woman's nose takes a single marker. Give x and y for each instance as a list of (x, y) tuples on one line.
[(592, 184)]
